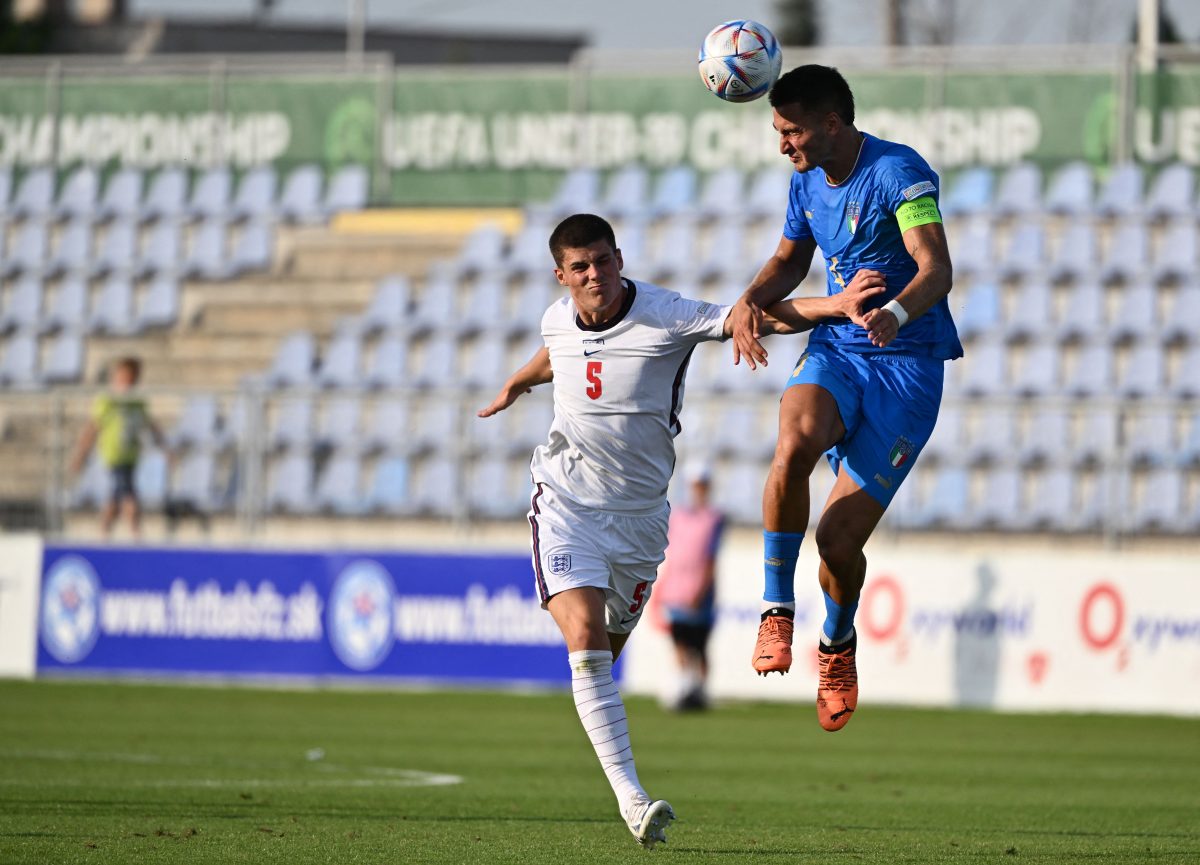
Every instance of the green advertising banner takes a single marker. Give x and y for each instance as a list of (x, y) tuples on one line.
[(450, 137)]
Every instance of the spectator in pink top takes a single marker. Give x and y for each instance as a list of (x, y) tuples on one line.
[(686, 587)]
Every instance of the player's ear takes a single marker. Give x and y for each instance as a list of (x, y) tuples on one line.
[(560, 275), (620, 260)]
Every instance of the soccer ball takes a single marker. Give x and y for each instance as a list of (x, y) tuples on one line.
[(740, 60)]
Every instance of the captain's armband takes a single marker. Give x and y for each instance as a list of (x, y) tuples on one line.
[(922, 211)]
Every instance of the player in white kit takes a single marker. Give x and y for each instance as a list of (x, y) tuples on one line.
[(617, 351)]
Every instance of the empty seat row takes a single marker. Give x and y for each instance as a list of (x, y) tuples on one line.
[(116, 306), (171, 193)]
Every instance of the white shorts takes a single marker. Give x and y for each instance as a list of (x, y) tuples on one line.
[(575, 546)]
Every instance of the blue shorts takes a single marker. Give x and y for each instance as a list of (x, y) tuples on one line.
[(889, 405)]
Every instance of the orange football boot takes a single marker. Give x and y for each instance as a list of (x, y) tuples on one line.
[(837, 685), (773, 652)]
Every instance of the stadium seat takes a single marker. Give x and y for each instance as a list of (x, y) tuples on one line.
[(27, 249), (1076, 253), (1158, 501), (255, 194), (117, 249), (163, 250), (1091, 374), (1032, 312), (985, 369), (1144, 371), (338, 423), (437, 427), (1071, 190), (537, 292), (1171, 193), (122, 198), (389, 426), (481, 251), (79, 194), (212, 193), (6, 184), (290, 483), (980, 312), (674, 192), (1047, 437), (166, 196), (1150, 435), (389, 307), (339, 488), (112, 311), (767, 197), (69, 306), (1019, 191), (208, 254), (196, 481), (253, 249), (196, 425), (722, 252), (528, 426), (947, 503), (1189, 446), (348, 190), (486, 366), (1179, 324), (291, 424), (992, 434), (1025, 253), (34, 198), (1185, 380), (388, 365), (722, 195), (1121, 194), (1176, 258), (300, 199), (633, 240), (19, 362), (437, 487), (1036, 371), (971, 193), (579, 192), (294, 362), (159, 305), (64, 358), (387, 490), (627, 193), (495, 491), (1002, 503), (1137, 313), (1095, 438), (1052, 502), (971, 240), (948, 438), (528, 252), (437, 306), (152, 479), (342, 363), (73, 251), (484, 305), (674, 255), (1084, 313), (23, 307), (437, 362)]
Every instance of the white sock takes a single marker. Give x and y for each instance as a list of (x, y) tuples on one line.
[(602, 714), (770, 605)]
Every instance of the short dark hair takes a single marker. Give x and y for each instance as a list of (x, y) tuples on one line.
[(581, 229), (815, 88), (133, 365)]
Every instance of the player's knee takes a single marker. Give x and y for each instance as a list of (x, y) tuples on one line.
[(837, 548), (796, 454)]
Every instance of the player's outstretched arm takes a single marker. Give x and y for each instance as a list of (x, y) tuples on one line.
[(775, 281), (804, 313), (537, 371), (935, 274)]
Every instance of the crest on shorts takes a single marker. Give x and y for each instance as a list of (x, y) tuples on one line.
[(559, 563), (900, 452), (852, 211)]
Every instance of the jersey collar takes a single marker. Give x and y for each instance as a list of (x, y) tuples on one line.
[(630, 294)]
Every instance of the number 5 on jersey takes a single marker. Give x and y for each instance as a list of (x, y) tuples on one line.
[(594, 388)]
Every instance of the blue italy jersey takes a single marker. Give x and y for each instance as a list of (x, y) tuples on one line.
[(854, 224)]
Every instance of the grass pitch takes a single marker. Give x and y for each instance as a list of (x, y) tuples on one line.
[(102, 773)]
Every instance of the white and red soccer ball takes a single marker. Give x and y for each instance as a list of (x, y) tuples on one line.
[(740, 60)]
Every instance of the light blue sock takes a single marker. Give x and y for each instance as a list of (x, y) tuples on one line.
[(779, 566), (839, 621)]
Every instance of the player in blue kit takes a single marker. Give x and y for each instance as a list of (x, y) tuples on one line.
[(866, 392)]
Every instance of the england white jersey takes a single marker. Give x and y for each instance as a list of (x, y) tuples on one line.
[(618, 391)]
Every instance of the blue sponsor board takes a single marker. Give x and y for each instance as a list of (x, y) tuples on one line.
[(241, 613)]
